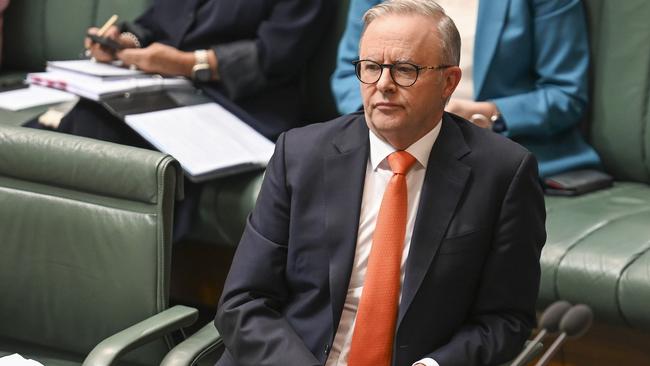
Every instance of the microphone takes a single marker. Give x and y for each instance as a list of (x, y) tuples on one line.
[(549, 322), (574, 324)]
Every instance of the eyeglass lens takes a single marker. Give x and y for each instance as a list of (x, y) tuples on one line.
[(403, 74)]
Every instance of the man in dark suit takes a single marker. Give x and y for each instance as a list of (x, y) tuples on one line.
[(317, 278)]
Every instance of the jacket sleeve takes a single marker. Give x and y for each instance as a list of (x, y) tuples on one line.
[(144, 27), (285, 41), (345, 85), (561, 63), (504, 311), (249, 316)]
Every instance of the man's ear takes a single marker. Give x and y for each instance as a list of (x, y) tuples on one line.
[(451, 78)]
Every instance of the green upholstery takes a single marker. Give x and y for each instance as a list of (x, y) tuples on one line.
[(598, 247), (620, 122), (56, 28), (85, 242)]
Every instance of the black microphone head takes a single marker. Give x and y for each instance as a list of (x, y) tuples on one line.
[(577, 321), (551, 317)]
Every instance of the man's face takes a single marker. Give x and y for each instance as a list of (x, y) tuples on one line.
[(402, 115)]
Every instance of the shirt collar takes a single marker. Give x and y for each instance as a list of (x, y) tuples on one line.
[(420, 149)]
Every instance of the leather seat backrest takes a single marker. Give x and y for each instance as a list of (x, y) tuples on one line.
[(620, 99), (37, 31), (85, 238)]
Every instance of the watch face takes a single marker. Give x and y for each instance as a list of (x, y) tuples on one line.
[(202, 74)]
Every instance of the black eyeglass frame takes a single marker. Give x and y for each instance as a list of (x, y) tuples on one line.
[(390, 67)]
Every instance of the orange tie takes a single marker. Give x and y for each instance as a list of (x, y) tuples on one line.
[(374, 330)]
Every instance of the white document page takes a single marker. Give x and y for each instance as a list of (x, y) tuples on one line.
[(33, 96), (17, 360), (204, 138), (93, 68)]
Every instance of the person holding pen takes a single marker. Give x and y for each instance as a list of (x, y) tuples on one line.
[(247, 55), (247, 52)]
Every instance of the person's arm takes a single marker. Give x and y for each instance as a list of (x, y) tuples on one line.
[(249, 316), (561, 51), (504, 311), (284, 43), (345, 85)]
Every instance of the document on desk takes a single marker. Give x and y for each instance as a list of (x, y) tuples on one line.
[(93, 68), (17, 360), (97, 88), (33, 96), (206, 139)]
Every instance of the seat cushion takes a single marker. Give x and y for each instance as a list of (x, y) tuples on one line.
[(224, 206), (598, 252)]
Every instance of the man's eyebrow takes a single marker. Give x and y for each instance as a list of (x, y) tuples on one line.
[(399, 60)]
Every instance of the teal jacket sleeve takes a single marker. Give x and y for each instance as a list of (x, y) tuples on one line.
[(345, 85), (558, 54)]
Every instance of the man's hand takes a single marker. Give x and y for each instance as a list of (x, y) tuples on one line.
[(159, 59), (478, 113)]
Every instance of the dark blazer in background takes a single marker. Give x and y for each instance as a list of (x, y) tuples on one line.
[(472, 274), (262, 47)]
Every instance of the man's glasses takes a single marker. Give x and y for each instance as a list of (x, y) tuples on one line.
[(403, 73)]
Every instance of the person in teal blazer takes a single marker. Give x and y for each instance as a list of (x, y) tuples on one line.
[(531, 59)]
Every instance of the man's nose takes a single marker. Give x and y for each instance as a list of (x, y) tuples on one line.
[(386, 82)]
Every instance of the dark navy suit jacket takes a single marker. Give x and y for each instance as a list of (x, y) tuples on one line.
[(262, 47), (472, 274)]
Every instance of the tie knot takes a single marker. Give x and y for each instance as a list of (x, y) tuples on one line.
[(400, 162)]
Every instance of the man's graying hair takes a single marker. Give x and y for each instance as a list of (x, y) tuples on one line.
[(447, 31)]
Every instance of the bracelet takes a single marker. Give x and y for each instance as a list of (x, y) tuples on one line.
[(132, 37)]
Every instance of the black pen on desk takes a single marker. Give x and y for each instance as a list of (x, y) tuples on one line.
[(100, 33)]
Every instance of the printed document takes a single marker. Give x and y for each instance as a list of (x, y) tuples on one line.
[(97, 88), (17, 360), (206, 139), (33, 96), (93, 68)]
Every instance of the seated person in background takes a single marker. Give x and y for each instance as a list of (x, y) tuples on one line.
[(525, 74), (253, 52), (392, 236)]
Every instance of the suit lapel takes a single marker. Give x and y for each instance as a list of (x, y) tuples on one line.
[(345, 170), (491, 20), (443, 187)]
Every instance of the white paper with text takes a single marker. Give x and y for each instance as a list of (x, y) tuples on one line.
[(206, 139)]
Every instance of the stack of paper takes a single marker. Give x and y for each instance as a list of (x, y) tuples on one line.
[(207, 140), (98, 81), (93, 68), (17, 360), (18, 99)]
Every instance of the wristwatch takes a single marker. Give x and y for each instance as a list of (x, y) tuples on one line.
[(201, 69)]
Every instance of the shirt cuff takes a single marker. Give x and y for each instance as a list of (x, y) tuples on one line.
[(427, 362)]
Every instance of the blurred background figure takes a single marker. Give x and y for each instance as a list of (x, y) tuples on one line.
[(248, 52)]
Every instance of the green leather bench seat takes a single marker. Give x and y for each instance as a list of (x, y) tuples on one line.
[(594, 252), (85, 242), (598, 246)]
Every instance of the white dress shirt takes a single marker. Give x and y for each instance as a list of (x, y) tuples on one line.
[(378, 173), (465, 15)]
